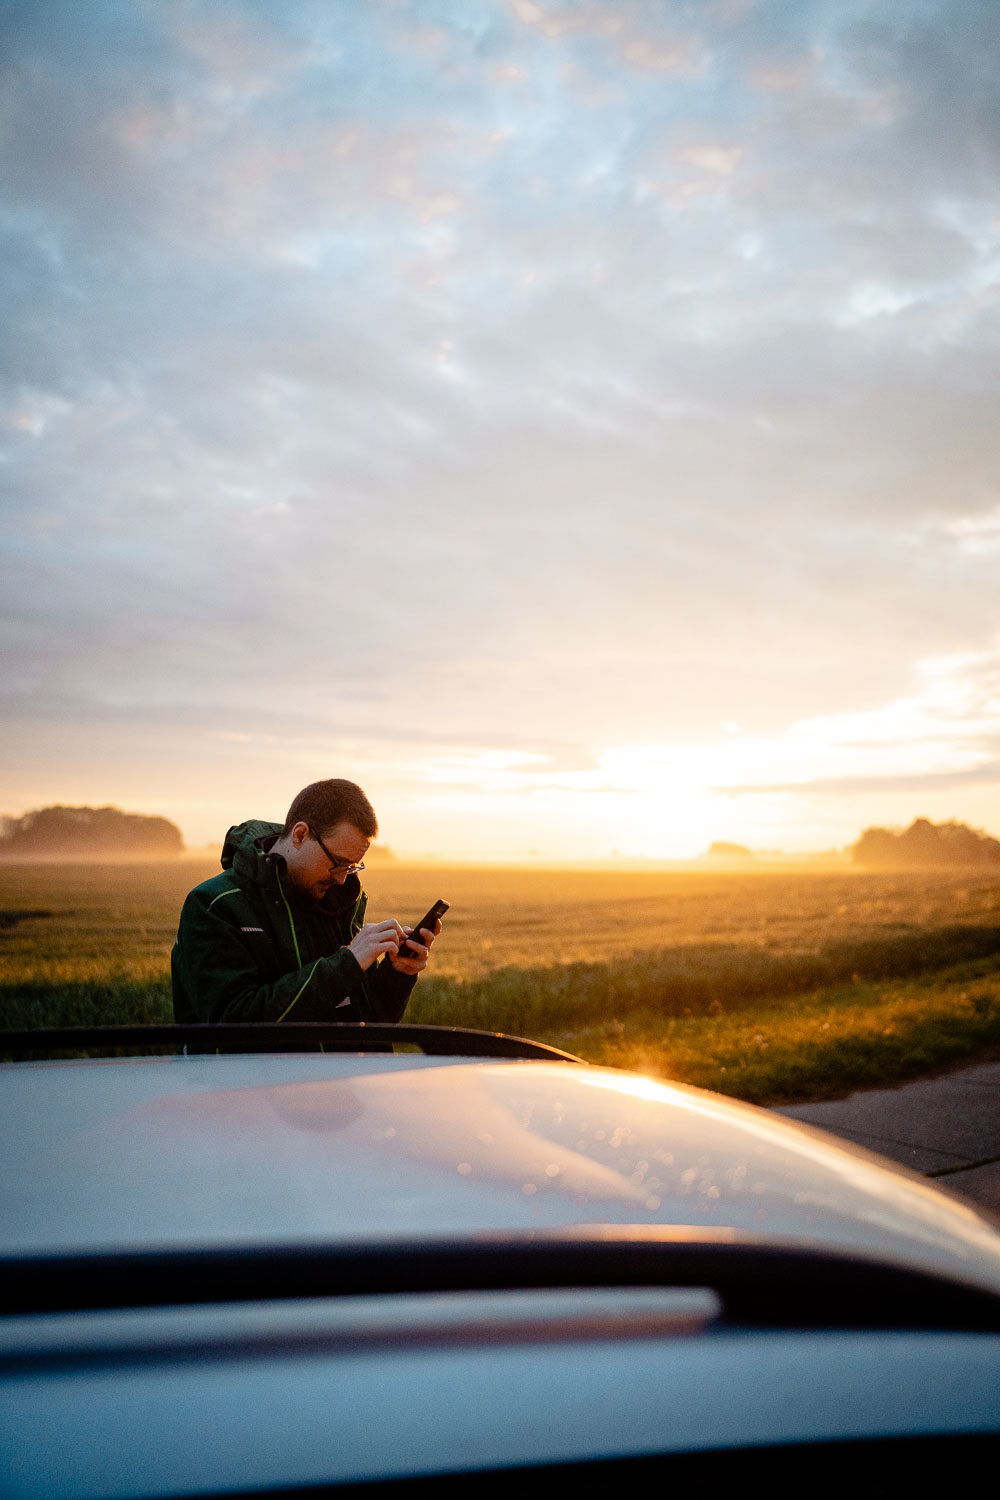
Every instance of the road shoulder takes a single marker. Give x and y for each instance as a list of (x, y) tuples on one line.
[(947, 1128)]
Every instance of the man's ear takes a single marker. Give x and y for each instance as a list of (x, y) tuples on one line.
[(298, 834)]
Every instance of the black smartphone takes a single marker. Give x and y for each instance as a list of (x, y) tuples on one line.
[(437, 910)]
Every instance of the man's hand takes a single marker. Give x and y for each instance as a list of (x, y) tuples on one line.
[(374, 939), (412, 960)]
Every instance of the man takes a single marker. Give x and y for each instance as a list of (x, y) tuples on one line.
[(280, 934)]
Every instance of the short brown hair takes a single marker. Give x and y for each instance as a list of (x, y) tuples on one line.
[(324, 804)]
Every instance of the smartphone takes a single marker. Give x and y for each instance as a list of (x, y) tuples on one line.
[(437, 910)]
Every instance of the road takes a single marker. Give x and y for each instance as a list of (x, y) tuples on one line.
[(947, 1128)]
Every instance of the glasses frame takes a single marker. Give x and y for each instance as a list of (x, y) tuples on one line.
[(336, 864)]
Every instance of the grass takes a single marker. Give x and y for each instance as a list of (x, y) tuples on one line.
[(770, 987), (815, 1046)]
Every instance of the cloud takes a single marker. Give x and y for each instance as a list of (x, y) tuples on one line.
[(854, 786), (612, 371), (944, 736)]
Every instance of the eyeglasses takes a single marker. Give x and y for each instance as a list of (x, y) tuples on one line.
[(338, 864)]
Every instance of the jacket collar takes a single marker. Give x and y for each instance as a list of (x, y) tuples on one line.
[(338, 899)]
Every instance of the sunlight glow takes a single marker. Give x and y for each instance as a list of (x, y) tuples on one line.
[(669, 801)]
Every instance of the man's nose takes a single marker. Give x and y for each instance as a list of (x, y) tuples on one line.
[(340, 876)]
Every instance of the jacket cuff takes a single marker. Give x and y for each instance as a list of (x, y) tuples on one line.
[(346, 970)]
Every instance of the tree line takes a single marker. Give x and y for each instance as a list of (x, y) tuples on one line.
[(88, 833), (925, 845)]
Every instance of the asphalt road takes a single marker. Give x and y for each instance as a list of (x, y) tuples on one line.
[(946, 1128)]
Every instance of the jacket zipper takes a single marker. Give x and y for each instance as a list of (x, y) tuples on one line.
[(291, 919)]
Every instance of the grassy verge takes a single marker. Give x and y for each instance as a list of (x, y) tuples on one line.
[(768, 1049), (777, 1049), (814, 1046)]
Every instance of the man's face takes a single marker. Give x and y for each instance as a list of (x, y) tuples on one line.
[(311, 869)]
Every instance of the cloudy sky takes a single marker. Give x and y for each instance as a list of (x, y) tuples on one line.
[(577, 422)]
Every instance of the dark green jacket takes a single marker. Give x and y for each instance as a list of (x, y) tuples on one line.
[(250, 949)]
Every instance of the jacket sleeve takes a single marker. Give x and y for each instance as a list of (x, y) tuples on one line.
[(382, 995), (217, 978)]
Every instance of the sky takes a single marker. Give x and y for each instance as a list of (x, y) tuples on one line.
[(575, 422)]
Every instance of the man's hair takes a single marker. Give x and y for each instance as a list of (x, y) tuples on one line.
[(324, 804)]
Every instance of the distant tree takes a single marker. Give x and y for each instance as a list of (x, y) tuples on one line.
[(89, 833), (722, 850), (925, 845), (876, 846)]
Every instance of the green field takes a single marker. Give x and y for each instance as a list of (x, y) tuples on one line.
[(768, 986)]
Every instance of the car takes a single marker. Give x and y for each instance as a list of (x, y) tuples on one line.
[(414, 1258)]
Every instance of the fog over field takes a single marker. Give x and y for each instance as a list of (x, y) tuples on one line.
[(573, 420)]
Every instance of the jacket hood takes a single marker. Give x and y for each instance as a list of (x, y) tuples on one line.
[(239, 850)]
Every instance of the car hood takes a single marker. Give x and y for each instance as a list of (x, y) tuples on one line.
[(193, 1152)]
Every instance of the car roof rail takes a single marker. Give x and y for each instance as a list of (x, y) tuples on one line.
[(283, 1036)]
